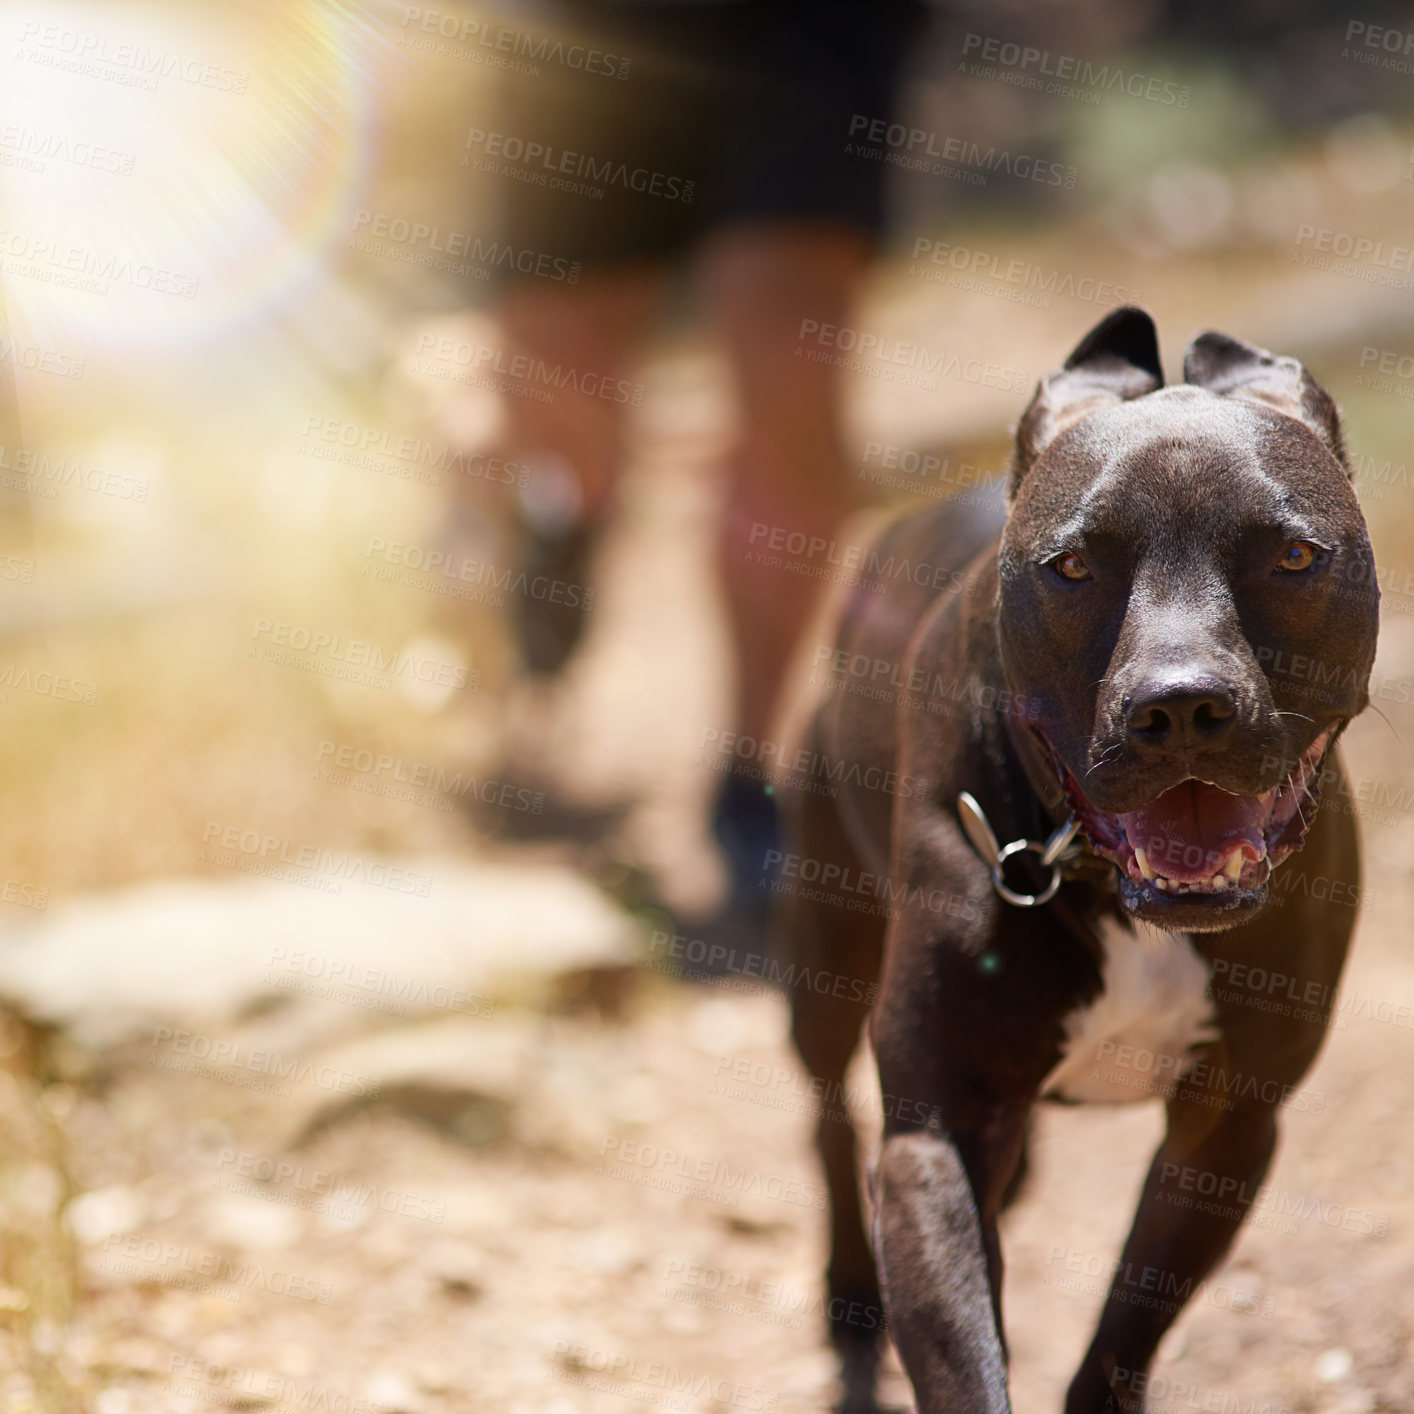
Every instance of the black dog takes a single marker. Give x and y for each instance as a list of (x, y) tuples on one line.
[(1117, 680)]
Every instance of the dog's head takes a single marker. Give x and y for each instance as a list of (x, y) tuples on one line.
[(1188, 605)]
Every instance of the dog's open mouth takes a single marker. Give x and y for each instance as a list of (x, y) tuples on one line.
[(1199, 841)]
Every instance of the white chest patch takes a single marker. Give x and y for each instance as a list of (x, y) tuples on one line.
[(1134, 1040)]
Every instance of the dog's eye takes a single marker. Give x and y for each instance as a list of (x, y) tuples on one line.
[(1070, 566), (1299, 555)]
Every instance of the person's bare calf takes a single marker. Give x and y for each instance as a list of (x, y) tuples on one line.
[(572, 446)]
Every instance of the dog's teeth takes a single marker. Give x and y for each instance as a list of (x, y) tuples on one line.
[(1232, 865), (1142, 860), (1219, 882)]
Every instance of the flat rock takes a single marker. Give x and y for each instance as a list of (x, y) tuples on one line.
[(109, 964)]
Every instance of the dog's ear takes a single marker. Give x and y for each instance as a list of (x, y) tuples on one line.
[(1117, 360), (1232, 369)]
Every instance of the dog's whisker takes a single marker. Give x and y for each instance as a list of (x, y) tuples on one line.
[(1104, 756), (1380, 713)]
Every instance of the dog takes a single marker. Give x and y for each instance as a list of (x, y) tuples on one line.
[(1104, 706)]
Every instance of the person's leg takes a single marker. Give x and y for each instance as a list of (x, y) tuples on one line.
[(572, 444), (789, 468), (597, 328), (567, 402), (798, 218)]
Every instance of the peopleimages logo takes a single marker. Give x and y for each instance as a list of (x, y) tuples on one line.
[(38, 359), (293, 1185), (176, 1264), (1379, 46), (377, 233), (500, 46), (919, 150), (403, 455), (32, 149), (1354, 256), (895, 359), (667, 1386), (625, 1157), (484, 360), (941, 261), (543, 165), (241, 846), (125, 62), (357, 659), (380, 772), (835, 881), (1070, 77), (55, 260)]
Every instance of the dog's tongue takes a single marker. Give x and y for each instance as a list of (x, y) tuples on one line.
[(1189, 831)]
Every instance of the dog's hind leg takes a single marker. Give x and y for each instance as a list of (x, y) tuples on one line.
[(834, 953)]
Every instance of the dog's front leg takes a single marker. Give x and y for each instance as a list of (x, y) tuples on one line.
[(1176, 1240), (940, 1266), (954, 1044)]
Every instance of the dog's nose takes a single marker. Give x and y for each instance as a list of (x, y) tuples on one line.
[(1188, 715)]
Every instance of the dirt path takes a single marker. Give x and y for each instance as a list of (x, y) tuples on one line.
[(551, 1207)]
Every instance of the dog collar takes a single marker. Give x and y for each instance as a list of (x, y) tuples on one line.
[(1053, 854)]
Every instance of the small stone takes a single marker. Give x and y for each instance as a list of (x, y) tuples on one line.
[(252, 1224), (604, 1252), (1334, 1364), (394, 1393), (100, 1214), (718, 1026)]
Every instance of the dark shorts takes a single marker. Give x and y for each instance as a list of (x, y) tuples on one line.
[(724, 113)]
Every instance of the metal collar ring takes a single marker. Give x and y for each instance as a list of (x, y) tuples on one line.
[(1049, 854)]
